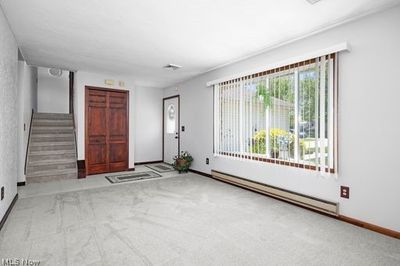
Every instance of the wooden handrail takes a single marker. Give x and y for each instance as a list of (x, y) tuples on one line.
[(29, 138)]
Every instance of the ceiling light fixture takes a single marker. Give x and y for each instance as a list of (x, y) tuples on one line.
[(313, 1), (172, 67), (55, 72)]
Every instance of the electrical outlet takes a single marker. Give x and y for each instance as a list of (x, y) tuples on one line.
[(345, 192), (183, 128), (207, 161), (2, 193)]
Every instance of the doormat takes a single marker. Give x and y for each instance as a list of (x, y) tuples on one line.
[(131, 177), (161, 167)]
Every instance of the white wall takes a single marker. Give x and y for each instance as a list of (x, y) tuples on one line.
[(145, 113), (148, 124), (369, 131), (27, 100), (8, 113), (53, 92)]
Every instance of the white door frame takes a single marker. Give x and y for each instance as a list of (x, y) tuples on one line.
[(179, 123)]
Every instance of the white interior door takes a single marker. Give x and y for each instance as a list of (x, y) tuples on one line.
[(171, 129)]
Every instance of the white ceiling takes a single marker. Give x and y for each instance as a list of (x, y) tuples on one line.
[(139, 37)]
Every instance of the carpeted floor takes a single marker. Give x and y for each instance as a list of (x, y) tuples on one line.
[(183, 220)]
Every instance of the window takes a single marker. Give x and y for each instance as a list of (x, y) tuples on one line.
[(285, 115), (171, 119)]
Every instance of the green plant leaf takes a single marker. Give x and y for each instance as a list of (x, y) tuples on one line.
[(262, 91)]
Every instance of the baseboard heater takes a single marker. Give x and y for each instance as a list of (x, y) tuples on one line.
[(320, 205)]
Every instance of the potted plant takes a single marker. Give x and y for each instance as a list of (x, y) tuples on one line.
[(182, 162)]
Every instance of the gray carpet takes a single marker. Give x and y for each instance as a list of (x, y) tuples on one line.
[(184, 220)]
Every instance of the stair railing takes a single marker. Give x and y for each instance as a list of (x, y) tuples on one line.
[(27, 144)]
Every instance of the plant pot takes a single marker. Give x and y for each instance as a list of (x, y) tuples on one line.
[(181, 163)]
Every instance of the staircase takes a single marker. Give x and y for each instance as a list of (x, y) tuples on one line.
[(52, 148)]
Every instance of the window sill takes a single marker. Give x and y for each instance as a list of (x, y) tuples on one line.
[(277, 161)]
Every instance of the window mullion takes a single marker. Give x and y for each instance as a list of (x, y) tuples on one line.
[(321, 154), (251, 119), (316, 119), (330, 114), (241, 117), (224, 117), (215, 120), (296, 116), (267, 118)]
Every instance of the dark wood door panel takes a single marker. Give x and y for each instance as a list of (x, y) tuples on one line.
[(97, 144), (97, 154), (117, 123), (106, 130), (97, 98), (97, 159), (97, 124), (118, 99), (118, 155), (118, 152)]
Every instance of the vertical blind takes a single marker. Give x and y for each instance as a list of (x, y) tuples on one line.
[(285, 115)]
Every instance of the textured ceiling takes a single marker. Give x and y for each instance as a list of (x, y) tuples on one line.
[(139, 37)]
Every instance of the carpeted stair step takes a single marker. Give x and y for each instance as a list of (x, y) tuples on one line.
[(41, 156), (53, 138), (50, 143), (60, 148), (52, 123), (52, 161), (41, 179), (39, 131), (52, 116), (52, 172), (53, 167), (49, 135), (51, 152)]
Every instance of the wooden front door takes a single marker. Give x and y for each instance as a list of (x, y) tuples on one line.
[(106, 148)]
